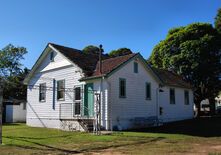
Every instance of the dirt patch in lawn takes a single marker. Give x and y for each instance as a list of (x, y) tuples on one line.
[(163, 147)]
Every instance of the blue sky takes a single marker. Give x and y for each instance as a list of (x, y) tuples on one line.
[(135, 24)]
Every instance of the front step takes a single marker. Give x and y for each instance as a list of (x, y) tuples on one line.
[(87, 124)]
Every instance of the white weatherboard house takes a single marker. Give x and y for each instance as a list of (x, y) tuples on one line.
[(64, 85)]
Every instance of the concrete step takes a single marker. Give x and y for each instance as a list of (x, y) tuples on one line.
[(87, 124)]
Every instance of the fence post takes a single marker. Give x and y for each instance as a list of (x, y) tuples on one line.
[(1, 108)]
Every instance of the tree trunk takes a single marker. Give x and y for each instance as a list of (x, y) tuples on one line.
[(198, 109), (212, 106)]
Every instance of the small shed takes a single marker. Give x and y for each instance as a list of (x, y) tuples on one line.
[(14, 111)]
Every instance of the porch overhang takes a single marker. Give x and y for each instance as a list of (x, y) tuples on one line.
[(92, 77)]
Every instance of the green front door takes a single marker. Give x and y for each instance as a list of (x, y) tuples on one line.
[(88, 100)]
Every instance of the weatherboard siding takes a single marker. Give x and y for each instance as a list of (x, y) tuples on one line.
[(43, 114), (179, 110), (124, 110), (115, 111), (15, 113), (97, 84), (58, 62)]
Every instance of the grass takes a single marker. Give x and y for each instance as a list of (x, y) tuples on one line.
[(174, 138)]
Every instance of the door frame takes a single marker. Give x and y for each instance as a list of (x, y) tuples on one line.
[(87, 103)]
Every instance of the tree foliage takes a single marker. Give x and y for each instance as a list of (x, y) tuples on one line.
[(120, 52), (14, 87), (192, 51), (91, 49), (218, 21), (11, 71), (10, 58)]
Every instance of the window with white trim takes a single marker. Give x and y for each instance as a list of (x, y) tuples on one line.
[(172, 96), (186, 97), (52, 56), (77, 98), (135, 67), (60, 89), (122, 88), (42, 92), (148, 91)]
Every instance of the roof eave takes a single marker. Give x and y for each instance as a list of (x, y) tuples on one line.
[(109, 73), (155, 75), (35, 66), (179, 86), (123, 64), (56, 50), (92, 77), (41, 58)]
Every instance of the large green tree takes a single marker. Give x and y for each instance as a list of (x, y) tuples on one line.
[(14, 87), (192, 51), (218, 21), (10, 60), (91, 49), (120, 52), (12, 72)]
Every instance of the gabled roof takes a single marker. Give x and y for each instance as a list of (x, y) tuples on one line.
[(90, 65), (87, 62), (110, 64), (170, 78), (164, 76)]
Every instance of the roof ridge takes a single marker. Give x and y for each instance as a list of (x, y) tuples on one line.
[(55, 44), (118, 61), (111, 58)]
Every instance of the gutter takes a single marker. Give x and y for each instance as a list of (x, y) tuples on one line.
[(92, 77)]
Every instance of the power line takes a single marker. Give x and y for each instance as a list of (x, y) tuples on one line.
[(50, 88), (38, 86)]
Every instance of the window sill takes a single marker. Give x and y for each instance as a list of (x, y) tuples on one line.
[(62, 99)]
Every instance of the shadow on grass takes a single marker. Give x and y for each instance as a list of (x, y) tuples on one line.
[(201, 127), (44, 147), (36, 138), (13, 124), (136, 142)]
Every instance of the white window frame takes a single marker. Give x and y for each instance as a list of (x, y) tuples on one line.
[(52, 56), (77, 101), (42, 90), (188, 97), (146, 84), (174, 96), (61, 99)]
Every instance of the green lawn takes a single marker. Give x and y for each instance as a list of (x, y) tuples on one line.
[(20, 139)]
